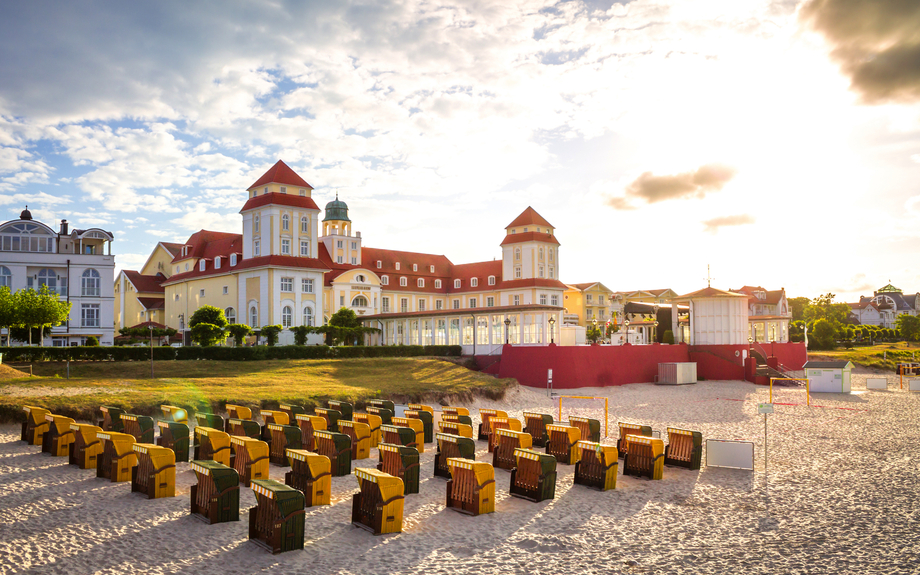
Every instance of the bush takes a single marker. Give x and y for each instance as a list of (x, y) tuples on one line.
[(238, 331), (271, 334), (668, 337), (91, 341)]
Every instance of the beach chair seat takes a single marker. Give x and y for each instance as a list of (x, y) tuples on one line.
[(332, 417), (140, 426), (484, 416), (463, 418), (35, 425), (452, 446), (244, 428), (117, 458), (627, 429), (111, 419), (57, 438), (645, 457), (250, 458), (507, 441), (212, 444), (382, 404), (590, 428), (563, 443), (86, 446), (534, 476), (598, 465), (400, 461), (378, 506), (237, 412), (308, 424), (283, 438), (337, 447), (360, 434), (426, 414), (451, 410), (471, 487), (385, 415), (373, 423), (175, 436), (277, 522), (345, 409), (310, 473), (496, 423), (216, 496), (155, 472), (211, 420), (176, 414), (535, 424), (417, 426), (270, 416), (684, 448), (292, 410), (455, 428)]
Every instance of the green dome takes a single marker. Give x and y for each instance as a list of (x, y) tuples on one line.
[(336, 210)]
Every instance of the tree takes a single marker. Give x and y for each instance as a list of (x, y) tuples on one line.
[(208, 314), (824, 335), (8, 311), (797, 306), (238, 331), (207, 325), (26, 334), (51, 310), (593, 334), (301, 332), (909, 327), (344, 328), (668, 337), (271, 334), (91, 341), (27, 304)]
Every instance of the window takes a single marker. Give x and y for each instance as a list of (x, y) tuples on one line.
[(600, 299), (177, 297), (285, 247), (6, 277), (517, 272), (287, 284), (490, 301), (404, 305), (541, 251), (397, 265), (285, 223), (555, 300), (540, 271), (304, 248), (421, 282), (517, 300), (201, 292), (513, 231), (525, 230), (415, 267), (456, 304), (305, 225), (421, 305), (437, 284), (354, 261), (230, 314), (303, 192), (265, 191), (354, 245), (590, 298), (91, 282), (439, 304), (253, 316), (256, 248), (403, 282), (431, 269), (287, 316), (472, 302), (89, 315), (385, 280), (308, 315), (338, 259), (341, 300), (359, 301), (379, 264), (385, 305), (217, 263), (232, 260), (177, 269), (474, 282), (542, 299), (551, 272), (517, 254), (491, 280), (306, 285), (181, 321), (338, 244), (201, 265), (255, 224), (50, 278), (457, 284), (283, 190), (186, 267), (226, 290)]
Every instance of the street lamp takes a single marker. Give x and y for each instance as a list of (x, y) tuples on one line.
[(626, 325), (507, 326), (552, 325), (150, 325), (655, 331)]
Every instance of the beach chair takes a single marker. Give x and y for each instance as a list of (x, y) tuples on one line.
[(250, 458), (484, 416), (292, 410), (111, 419), (382, 404), (344, 408), (244, 428), (35, 425), (590, 428), (630, 429), (57, 438), (139, 426), (176, 414), (373, 423), (385, 415), (496, 423), (450, 410), (155, 472), (451, 424), (471, 487), (118, 457), (426, 414), (507, 440), (332, 417), (400, 461), (398, 435), (598, 465), (175, 436), (86, 446), (283, 437), (216, 496), (360, 434), (415, 425), (534, 476), (310, 473), (684, 448), (277, 522), (563, 443), (337, 447), (308, 424), (270, 416), (237, 412), (645, 457), (378, 507), (452, 446), (212, 444), (535, 424), (210, 420)]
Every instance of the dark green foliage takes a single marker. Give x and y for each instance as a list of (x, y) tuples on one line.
[(300, 334), (271, 334), (91, 341), (668, 337)]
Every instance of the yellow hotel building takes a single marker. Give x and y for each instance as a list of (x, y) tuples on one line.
[(291, 268)]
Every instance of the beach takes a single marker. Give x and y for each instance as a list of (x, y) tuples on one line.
[(840, 495)]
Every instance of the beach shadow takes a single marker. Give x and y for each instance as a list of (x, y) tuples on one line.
[(842, 397), (734, 479)]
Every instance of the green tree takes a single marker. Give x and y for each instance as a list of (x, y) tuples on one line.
[(26, 334), (271, 334), (208, 314), (8, 311), (91, 341), (27, 306), (207, 325), (301, 332), (823, 336), (593, 334), (797, 306), (239, 331), (51, 310), (668, 337)]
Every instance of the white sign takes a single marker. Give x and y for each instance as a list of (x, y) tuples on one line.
[(549, 375), (876, 383), (731, 454), (764, 408)]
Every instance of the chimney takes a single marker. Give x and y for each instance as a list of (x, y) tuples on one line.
[(64, 227)]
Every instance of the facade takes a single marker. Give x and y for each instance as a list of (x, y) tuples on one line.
[(140, 295), (890, 303), (78, 265), (717, 317), (291, 268), (865, 312), (587, 302), (768, 314)]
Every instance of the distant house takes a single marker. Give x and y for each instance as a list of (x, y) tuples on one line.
[(890, 303), (828, 376), (768, 313), (586, 302), (865, 313)]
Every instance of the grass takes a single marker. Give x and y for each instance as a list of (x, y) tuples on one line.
[(880, 356), (209, 385)]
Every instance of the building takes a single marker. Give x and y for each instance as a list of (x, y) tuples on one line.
[(140, 295), (586, 302), (290, 268), (865, 312), (717, 317), (890, 303), (78, 265), (768, 313)]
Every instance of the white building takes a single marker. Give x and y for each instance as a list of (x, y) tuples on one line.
[(717, 317), (77, 265)]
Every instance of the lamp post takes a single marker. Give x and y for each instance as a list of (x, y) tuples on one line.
[(655, 331), (552, 325), (507, 326), (150, 325), (626, 325), (595, 331)]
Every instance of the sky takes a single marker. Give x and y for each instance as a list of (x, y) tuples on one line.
[(776, 142)]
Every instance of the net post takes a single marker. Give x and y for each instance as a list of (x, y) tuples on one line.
[(606, 416), (807, 392), (771, 390)]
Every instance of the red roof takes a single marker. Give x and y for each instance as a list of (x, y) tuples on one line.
[(464, 311), (280, 173), (389, 258), (479, 270), (207, 244), (528, 217), (150, 303), (303, 202), (172, 248), (529, 237), (280, 261), (146, 284), (147, 324)]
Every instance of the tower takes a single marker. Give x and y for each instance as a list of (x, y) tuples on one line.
[(342, 246), (530, 250)]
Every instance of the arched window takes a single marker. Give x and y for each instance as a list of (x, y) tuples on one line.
[(308, 316), (253, 316), (517, 254), (474, 282), (305, 224), (421, 282), (541, 253), (47, 277), (255, 225), (232, 260), (551, 254), (217, 263), (287, 316), (491, 280), (91, 281), (359, 301), (6, 277), (385, 280), (285, 223), (403, 282), (230, 313), (201, 265)]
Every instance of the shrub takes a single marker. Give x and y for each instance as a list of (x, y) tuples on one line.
[(668, 337), (271, 334), (91, 341)]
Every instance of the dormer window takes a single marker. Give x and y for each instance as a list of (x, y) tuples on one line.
[(491, 280), (457, 284), (201, 265), (431, 269), (385, 280), (421, 283), (266, 190), (415, 267), (474, 282), (513, 231), (303, 192), (379, 264), (217, 263), (403, 282), (232, 260), (437, 284), (397, 266), (284, 191)]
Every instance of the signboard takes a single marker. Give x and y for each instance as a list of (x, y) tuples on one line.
[(730, 454), (764, 408), (549, 376), (876, 383)]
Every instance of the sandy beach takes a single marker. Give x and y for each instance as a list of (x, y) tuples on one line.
[(840, 496)]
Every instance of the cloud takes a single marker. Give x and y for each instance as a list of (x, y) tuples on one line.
[(687, 185), (712, 226), (876, 43), (35, 199)]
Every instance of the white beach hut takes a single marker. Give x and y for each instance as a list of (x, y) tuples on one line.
[(828, 376)]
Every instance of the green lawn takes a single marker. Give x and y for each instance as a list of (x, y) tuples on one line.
[(208, 385), (881, 356)]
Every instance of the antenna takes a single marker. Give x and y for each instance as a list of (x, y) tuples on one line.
[(709, 277)]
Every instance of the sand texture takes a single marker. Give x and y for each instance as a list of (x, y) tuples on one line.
[(841, 497)]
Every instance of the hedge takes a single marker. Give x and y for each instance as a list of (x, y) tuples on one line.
[(34, 354)]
